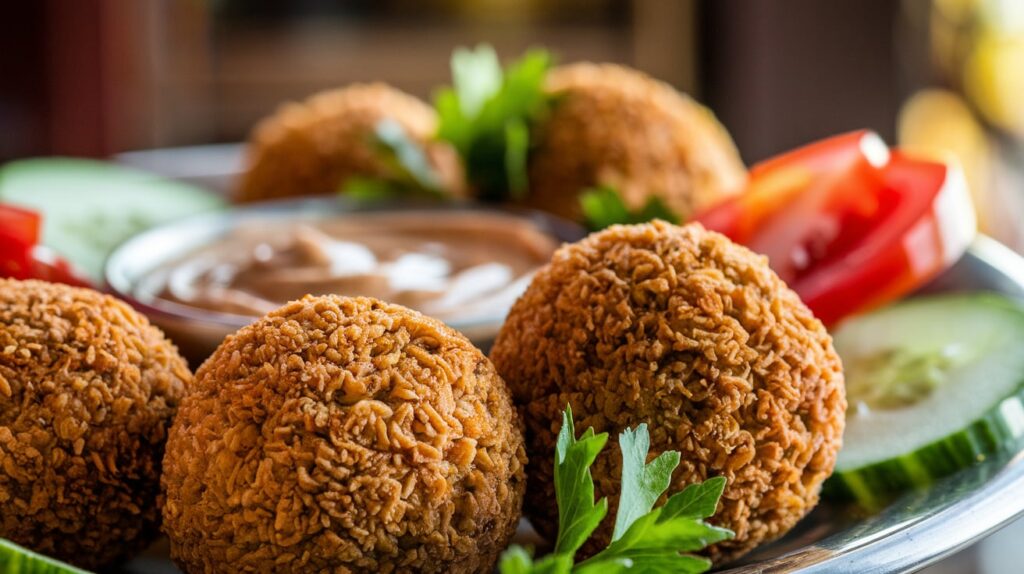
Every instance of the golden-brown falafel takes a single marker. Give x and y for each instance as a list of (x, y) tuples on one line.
[(87, 391), (313, 147), (340, 434), (611, 125), (682, 329)]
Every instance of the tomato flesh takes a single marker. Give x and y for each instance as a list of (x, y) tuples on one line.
[(20, 255), (850, 227), (790, 178), (49, 266), (19, 232), (18, 224)]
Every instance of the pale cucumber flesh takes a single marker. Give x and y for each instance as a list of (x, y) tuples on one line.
[(89, 207), (935, 416)]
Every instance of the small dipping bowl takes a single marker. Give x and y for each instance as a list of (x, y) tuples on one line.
[(139, 270)]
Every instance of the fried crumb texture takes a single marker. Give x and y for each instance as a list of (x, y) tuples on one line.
[(87, 391), (694, 335), (650, 141), (313, 147), (344, 435)]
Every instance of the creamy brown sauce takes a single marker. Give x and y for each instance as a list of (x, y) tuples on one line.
[(455, 266)]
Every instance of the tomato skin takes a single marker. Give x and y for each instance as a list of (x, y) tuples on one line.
[(18, 224), (20, 255), (936, 225), (19, 232), (866, 287), (15, 258), (852, 226), (49, 266), (779, 181)]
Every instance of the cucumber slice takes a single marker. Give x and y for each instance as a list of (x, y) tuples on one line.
[(934, 385), (89, 207), (17, 560)]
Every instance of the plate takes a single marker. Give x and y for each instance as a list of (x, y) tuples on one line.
[(927, 525), (916, 530)]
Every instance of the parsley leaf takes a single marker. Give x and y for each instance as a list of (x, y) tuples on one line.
[(413, 174), (518, 560), (371, 189), (656, 538), (644, 540), (406, 156), (603, 206), (578, 516), (696, 500), (642, 483), (487, 113), (477, 76)]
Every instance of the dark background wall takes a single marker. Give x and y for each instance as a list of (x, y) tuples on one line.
[(95, 77)]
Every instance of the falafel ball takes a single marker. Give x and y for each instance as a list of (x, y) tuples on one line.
[(344, 434), (616, 126), (87, 391), (679, 328), (313, 147)]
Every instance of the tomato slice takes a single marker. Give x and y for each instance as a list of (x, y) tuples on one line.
[(848, 225), (20, 255), (19, 232), (15, 258), (19, 261), (19, 224), (779, 182), (924, 222), (49, 266)]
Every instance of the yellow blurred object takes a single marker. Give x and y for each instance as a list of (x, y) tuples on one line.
[(994, 80), (951, 24), (937, 123), (956, 10), (978, 48)]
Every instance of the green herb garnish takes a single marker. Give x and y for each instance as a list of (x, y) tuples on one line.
[(412, 173), (603, 206), (644, 540), (487, 113)]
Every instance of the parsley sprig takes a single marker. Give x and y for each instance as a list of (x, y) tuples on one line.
[(412, 174), (487, 113), (603, 206), (645, 539)]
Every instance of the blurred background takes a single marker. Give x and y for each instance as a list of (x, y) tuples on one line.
[(101, 77)]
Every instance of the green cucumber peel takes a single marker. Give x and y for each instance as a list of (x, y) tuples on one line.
[(15, 559)]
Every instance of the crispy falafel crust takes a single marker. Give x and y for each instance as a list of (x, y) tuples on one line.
[(682, 329), (340, 434), (87, 390), (312, 147), (611, 125)]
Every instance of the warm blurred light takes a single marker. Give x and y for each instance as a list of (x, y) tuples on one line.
[(994, 80), (938, 123)]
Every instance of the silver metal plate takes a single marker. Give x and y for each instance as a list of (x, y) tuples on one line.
[(916, 530), (927, 525)]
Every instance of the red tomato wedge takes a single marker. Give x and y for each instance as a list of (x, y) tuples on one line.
[(49, 266), (849, 225), (19, 224), (19, 232), (784, 180), (20, 255)]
